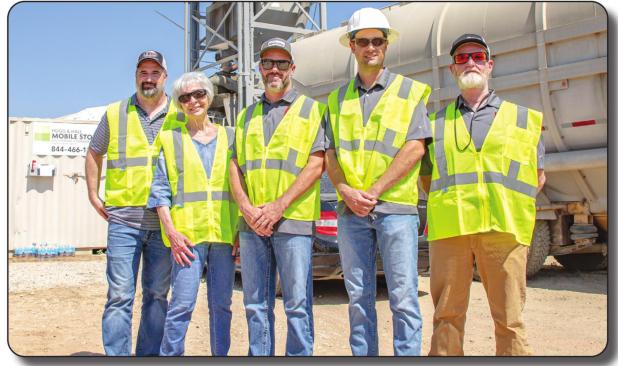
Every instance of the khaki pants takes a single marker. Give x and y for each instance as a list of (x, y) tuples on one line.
[(501, 263)]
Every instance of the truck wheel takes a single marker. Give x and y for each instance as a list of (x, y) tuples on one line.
[(537, 253), (539, 248), (583, 262)]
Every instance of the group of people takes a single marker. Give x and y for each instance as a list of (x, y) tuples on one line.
[(183, 195)]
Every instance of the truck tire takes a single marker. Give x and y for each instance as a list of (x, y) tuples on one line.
[(583, 262), (537, 253), (539, 248)]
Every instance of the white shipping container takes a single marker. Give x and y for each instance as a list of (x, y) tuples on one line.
[(53, 209)]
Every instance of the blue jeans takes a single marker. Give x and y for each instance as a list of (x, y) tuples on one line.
[(397, 239), (125, 248), (260, 258), (217, 257)]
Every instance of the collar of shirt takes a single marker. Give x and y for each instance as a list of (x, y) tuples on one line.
[(383, 81), (143, 113), (288, 98), (492, 100)]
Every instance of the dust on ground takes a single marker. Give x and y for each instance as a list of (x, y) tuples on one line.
[(55, 309)]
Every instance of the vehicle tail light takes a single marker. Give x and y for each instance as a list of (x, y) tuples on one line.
[(327, 224)]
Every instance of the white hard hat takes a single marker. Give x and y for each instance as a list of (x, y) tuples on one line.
[(368, 18)]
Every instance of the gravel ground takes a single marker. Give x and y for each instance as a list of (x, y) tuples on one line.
[(68, 272), (565, 313)]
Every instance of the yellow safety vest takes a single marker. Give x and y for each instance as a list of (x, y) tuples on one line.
[(130, 158), (493, 189), (366, 151), (202, 208), (270, 170)]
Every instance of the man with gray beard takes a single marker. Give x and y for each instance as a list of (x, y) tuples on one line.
[(482, 174), (128, 134)]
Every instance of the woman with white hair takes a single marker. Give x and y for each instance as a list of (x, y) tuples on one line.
[(190, 192)]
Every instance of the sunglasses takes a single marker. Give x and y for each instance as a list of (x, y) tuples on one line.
[(478, 57), (197, 94), (364, 42), (268, 64)]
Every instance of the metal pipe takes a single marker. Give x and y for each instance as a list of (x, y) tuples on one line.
[(241, 61), (186, 33), (576, 160), (323, 16)]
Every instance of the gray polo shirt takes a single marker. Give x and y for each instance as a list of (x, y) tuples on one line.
[(479, 122), (419, 129), (272, 115), (137, 217)]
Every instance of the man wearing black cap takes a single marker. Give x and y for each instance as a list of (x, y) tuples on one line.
[(128, 134), (482, 173), (274, 177)]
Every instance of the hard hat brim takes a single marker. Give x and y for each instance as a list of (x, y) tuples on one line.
[(344, 39)]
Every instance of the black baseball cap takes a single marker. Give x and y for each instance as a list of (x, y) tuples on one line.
[(154, 56), (468, 38), (276, 43)]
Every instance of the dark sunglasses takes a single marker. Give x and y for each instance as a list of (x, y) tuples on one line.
[(268, 64), (197, 94), (364, 42), (462, 58)]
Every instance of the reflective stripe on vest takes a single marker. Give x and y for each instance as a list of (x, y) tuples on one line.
[(447, 180), (202, 208), (366, 150), (384, 146), (270, 170), (131, 158), (491, 189), (181, 196), (122, 161)]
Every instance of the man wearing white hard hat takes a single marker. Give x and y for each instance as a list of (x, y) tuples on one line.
[(375, 139)]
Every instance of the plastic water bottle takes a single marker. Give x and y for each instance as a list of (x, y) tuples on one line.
[(53, 251), (17, 252), (44, 253), (38, 251), (32, 250)]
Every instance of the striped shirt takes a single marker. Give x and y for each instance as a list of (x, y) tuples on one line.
[(137, 217)]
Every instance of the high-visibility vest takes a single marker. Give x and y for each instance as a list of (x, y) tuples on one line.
[(202, 208), (493, 189), (365, 152), (130, 158), (269, 170)]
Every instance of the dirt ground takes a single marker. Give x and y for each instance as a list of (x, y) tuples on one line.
[(565, 314)]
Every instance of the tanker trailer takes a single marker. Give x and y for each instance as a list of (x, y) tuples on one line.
[(551, 57)]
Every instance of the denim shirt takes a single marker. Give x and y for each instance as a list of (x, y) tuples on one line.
[(161, 191)]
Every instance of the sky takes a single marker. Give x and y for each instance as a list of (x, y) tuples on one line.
[(64, 57)]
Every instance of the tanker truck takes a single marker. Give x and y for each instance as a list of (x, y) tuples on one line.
[(548, 56)]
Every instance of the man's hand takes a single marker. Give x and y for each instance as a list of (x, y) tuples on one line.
[(99, 206), (236, 250), (360, 202), (541, 179), (254, 214), (271, 214), (180, 247)]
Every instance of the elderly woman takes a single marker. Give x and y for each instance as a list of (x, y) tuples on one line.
[(190, 192)]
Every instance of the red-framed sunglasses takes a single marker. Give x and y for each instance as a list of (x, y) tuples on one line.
[(462, 58)]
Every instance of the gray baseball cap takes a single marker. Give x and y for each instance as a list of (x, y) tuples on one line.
[(276, 43), (468, 38), (154, 56)]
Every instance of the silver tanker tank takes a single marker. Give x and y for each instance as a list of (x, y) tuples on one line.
[(548, 56)]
